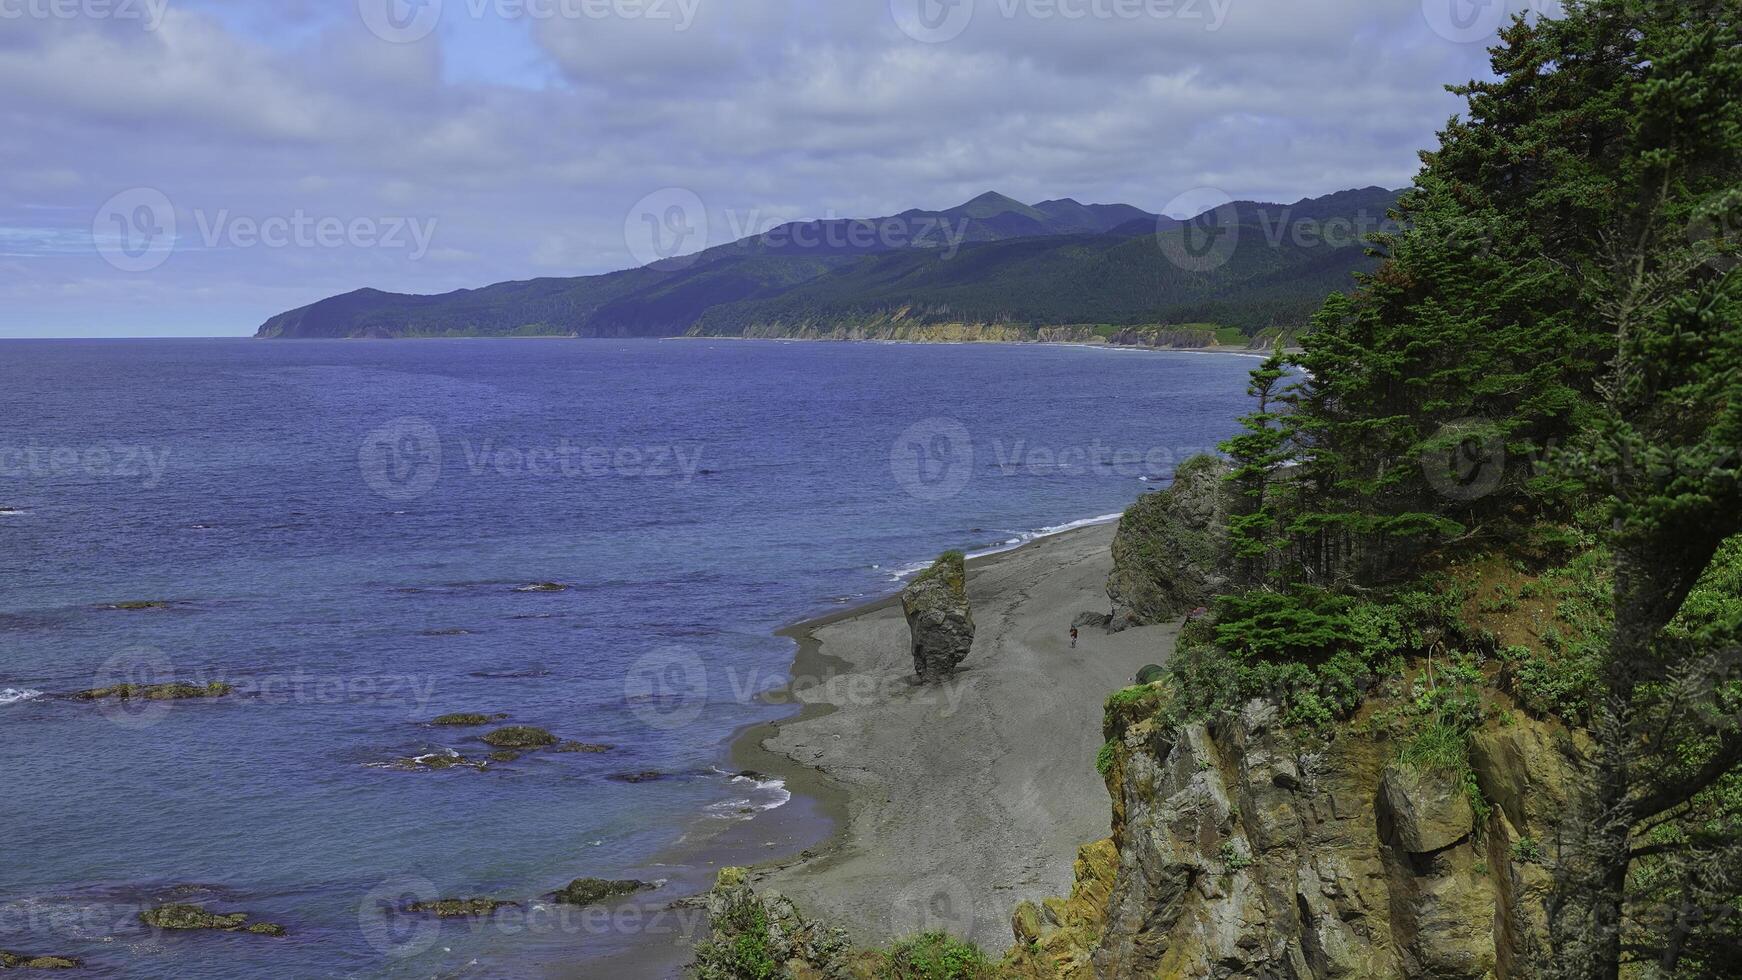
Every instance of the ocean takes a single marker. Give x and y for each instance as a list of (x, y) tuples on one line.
[(355, 537)]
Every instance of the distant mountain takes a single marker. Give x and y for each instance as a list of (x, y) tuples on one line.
[(991, 260)]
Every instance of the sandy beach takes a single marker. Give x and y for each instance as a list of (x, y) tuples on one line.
[(955, 802)]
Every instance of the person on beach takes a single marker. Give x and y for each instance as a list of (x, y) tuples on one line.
[(1073, 638)]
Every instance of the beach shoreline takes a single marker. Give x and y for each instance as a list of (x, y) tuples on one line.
[(948, 806)]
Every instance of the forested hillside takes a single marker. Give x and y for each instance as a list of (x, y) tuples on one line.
[(990, 261)]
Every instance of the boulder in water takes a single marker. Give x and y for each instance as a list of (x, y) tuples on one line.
[(455, 908), (592, 891), (24, 961), (156, 692), (183, 917), (520, 737)]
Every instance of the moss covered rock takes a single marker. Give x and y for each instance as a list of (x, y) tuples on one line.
[(24, 961), (1170, 554), (156, 692), (582, 747), (466, 720), (455, 908), (183, 917), (438, 762), (520, 737), (592, 891), (938, 617)]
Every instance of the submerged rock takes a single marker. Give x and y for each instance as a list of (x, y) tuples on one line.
[(637, 777), (156, 692), (582, 747), (182, 917), (24, 961), (938, 617), (466, 720), (592, 891), (437, 762), (520, 737), (139, 605), (454, 908)]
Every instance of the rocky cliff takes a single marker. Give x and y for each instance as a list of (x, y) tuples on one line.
[(1245, 851), (1170, 552)]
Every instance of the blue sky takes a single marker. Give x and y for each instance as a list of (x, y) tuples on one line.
[(185, 167)]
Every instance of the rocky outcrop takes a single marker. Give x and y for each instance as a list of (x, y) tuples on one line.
[(1054, 938), (466, 720), (520, 737), (181, 917), (156, 692), (458, 908), (592, 891), (764, 934), (942, 625), (23, 961), (1243, 850), (1170, 552)]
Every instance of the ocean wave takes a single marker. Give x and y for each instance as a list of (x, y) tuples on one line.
[(767, 793), (12, 695), (1019, 539)]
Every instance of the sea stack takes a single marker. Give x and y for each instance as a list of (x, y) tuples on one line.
[(936, 604)]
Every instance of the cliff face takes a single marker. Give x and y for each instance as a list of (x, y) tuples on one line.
[(1170, 551), (1244, 853)]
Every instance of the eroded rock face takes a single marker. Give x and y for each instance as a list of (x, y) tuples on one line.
[(1243, 852), (1170, 551), (938, 616)]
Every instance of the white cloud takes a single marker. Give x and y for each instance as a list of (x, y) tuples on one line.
[(787, 108)]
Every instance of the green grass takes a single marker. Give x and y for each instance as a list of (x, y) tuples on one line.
[(935, 956)]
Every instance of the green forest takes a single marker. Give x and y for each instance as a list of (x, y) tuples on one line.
[(1505, 475)]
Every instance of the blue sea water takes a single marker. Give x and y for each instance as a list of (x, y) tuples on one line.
[(341, 531)]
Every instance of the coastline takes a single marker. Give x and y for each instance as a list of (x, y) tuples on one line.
[(946, 807), (813, 827)]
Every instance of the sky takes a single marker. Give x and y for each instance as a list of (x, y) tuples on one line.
[(192, 167)]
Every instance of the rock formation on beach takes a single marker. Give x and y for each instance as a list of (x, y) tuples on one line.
[(936, 606), (1170, 553)]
